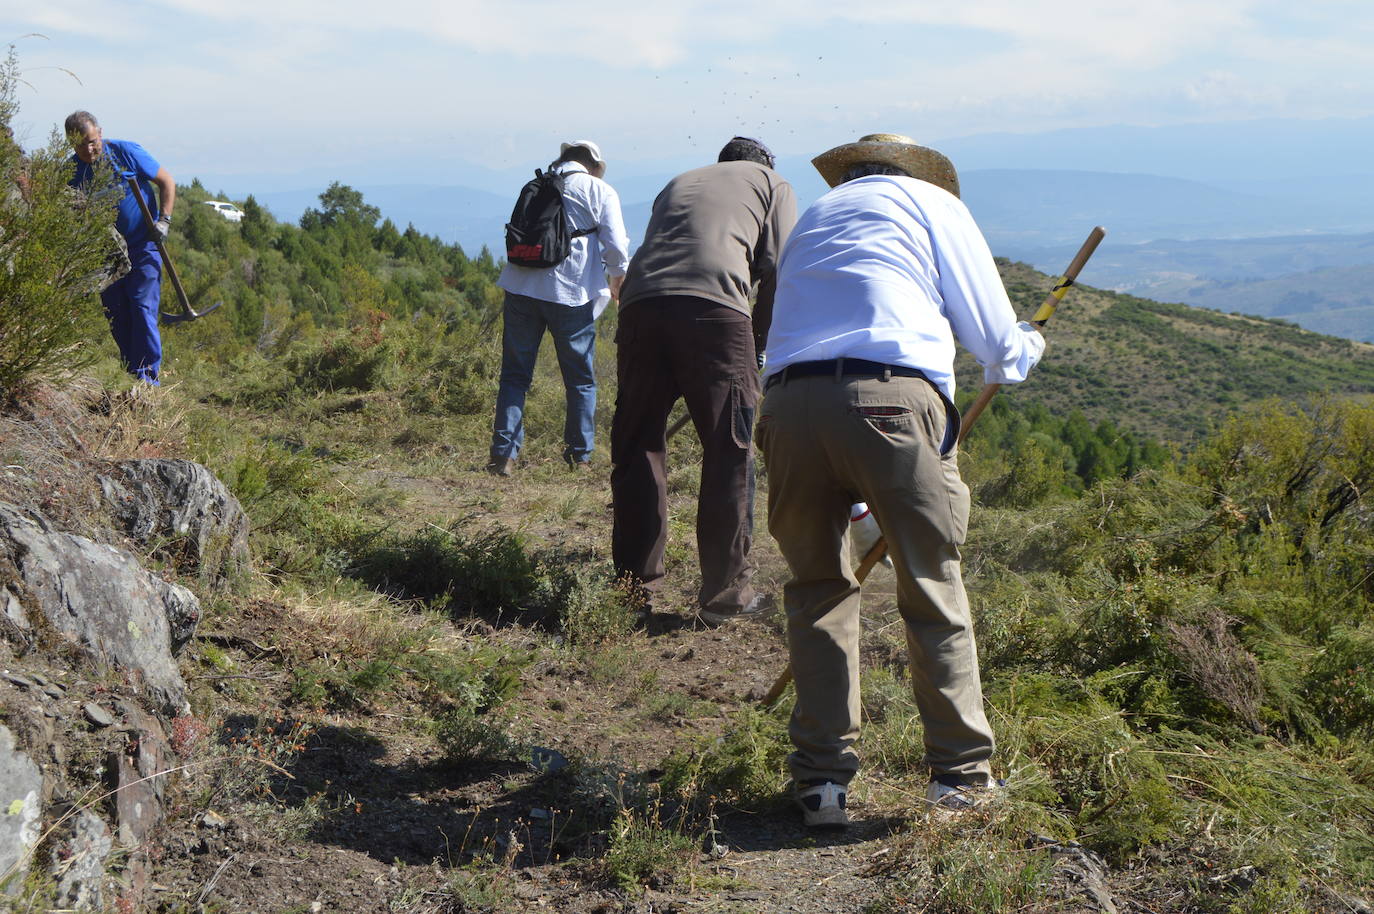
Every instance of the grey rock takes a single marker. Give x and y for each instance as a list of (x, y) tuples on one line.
[(54, 693), (97, 715), (1355, 905), (213, 820), (12, 610), (182, 510), (102, 600), (548, 760), (79, 865), (21, 808), (22, 681), (140, 771)]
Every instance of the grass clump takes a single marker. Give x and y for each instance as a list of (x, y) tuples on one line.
[(495, 574), (979, 862), (1064, 735), (744, 768), (645, 849)]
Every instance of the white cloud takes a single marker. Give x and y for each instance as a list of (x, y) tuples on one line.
[(245, 84)]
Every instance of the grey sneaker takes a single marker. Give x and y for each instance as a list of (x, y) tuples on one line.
[(757, 607), (959, 797), (822, 804)]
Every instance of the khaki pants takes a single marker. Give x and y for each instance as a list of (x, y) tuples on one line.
[(828, 442)]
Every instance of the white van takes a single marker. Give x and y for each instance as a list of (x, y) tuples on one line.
[(228, 210)]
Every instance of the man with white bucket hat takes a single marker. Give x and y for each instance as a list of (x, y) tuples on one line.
[(876, 281), (564, 299)]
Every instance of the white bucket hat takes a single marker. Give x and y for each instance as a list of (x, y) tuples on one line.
[(588, 145)]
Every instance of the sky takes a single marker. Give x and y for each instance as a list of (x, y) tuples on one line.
[(422, 91)]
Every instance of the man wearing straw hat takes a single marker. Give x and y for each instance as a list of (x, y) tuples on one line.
[(878, 278)]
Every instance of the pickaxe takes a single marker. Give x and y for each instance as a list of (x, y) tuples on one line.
[(1042, 316), (189, 313)]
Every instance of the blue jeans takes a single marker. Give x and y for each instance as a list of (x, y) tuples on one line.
[(131, 307), (574, 338)]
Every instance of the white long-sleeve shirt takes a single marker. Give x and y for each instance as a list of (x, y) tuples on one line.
[(891, 269), (581, 277)]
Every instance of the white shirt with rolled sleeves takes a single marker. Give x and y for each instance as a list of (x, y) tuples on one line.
[(580, 278), (891, 269)]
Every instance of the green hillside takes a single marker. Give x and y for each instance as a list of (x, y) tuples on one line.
[(1169, 371), (432, 695)]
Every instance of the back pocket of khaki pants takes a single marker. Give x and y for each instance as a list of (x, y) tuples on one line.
[(890, 420)]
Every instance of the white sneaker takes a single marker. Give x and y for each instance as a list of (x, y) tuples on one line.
[(822, 805), (961, 797)]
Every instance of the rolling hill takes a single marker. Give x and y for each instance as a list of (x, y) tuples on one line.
[(1169, 371)]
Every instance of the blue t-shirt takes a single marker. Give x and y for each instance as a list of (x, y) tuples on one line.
[(128, 160)]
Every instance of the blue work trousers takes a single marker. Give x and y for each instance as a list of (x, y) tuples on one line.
[(573, 329), (131, 307)]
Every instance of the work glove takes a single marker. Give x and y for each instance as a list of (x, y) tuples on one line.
[(864, 533), (161, 227)]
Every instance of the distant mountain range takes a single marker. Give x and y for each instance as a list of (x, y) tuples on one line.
[(1018, 209), (1260, 217)]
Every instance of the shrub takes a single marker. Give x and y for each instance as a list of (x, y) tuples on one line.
[(53, 249), (467, 736), (1341, 681)]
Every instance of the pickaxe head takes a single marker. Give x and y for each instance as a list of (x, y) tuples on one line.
[(188, 315)]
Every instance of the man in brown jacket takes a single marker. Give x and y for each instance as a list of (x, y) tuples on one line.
[(686, 331)]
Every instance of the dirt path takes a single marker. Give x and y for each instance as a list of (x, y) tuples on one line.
[(386, 823)]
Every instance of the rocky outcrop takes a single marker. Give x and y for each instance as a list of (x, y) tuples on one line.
[(182, 511), (78, 865), (101, 600), (21, 811), (140, 770), (88, 645)]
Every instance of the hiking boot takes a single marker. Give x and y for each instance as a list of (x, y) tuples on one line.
[(953, 796), (822, 804), (755, 608), (501, 466)]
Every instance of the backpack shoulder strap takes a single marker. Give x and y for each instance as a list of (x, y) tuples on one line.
[(573, 233)]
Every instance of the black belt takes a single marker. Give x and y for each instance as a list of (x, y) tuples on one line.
[(840, 367)]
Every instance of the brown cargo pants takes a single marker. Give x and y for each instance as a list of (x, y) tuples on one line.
[(829, 441), (703, 352)]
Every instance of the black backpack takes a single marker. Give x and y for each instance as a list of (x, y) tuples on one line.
[(537, 234)]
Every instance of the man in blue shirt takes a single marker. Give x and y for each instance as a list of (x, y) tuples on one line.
[(131, 303)]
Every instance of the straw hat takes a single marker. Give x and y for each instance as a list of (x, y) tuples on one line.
[(889, 149)]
